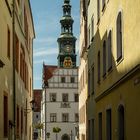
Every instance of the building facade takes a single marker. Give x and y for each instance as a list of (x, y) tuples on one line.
[(61, 102), (116, 62), (37, 114), (83, 69), (16, 35), (60, 98)]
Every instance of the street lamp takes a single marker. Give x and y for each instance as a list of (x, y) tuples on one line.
[(32, 104)]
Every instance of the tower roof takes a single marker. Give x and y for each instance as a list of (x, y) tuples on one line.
[(67, 1)]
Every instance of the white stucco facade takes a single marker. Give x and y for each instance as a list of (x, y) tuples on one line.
[(63, 109)]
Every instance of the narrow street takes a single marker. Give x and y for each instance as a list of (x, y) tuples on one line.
[(69, 70)]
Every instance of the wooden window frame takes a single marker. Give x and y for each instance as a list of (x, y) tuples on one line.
[(5, 115), (8, 43)]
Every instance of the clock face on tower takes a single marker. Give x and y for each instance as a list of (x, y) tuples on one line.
[(68, 48)]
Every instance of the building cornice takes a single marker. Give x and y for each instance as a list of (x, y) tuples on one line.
[(118, 83)]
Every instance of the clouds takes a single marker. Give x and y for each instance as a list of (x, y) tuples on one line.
[(47, 14), (45, 51)]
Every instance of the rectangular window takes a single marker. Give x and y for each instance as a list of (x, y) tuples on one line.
[(99, 67), (17, 53), (89, 84), (98, 10), (17, 121), (76, 117), (89, 131), (65, 97), (72, 79), (92, 80), (53, 117), (104, 58), (5, 116), (26, 27), (8, 43), (65, 117), (21, 121), (103, 4), (108, 125), (52, 97), (63, 80), (92, 28), (100, 126), (76, 97), (26, 120), (109, 52), (92, 129), (30, 87), (119, 37), (89, 37)]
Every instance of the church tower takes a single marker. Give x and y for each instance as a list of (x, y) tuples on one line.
[(66, 41)]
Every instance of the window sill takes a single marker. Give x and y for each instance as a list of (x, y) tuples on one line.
[(103, 8), (98, 21), (119, 60), (110, 70), (104, 76)]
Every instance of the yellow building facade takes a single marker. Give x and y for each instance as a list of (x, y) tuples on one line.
[(16, 53), (83, 71), (115, 52)]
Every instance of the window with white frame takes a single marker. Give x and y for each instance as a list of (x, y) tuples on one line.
[(109, 51), (119, 36), (65, 117), (104, 58), (52, 97), (65, 97), (76, 117), (53, 117)]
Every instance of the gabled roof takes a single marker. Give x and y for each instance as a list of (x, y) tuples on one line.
[(37, 99), (48, 73)]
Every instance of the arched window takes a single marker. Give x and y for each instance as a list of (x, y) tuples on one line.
[(121, 123), (104, 58), (99, 67), (109, 51), (119, 36), (65, 137)]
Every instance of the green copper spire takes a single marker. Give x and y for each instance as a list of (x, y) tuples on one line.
[(67, 1), (66, 41)]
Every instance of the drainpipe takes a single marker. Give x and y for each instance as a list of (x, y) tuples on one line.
[(14, 73), (45, 113)]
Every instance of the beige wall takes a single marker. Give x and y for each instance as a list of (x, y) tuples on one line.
[(82, 77), (121, 84), (6, 73)]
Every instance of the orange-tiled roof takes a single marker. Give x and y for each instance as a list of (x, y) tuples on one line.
[(48, 72), (37, 99)]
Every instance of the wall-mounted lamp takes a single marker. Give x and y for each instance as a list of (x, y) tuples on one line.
[(32, 104), (1, 64)]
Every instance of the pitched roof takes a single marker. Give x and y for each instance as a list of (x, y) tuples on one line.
[(37, 99), (48, 73)]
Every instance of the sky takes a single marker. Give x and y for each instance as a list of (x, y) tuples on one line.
[(46, 16)]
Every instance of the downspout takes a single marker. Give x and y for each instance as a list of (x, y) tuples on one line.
[(14, 73), (45, 113)]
